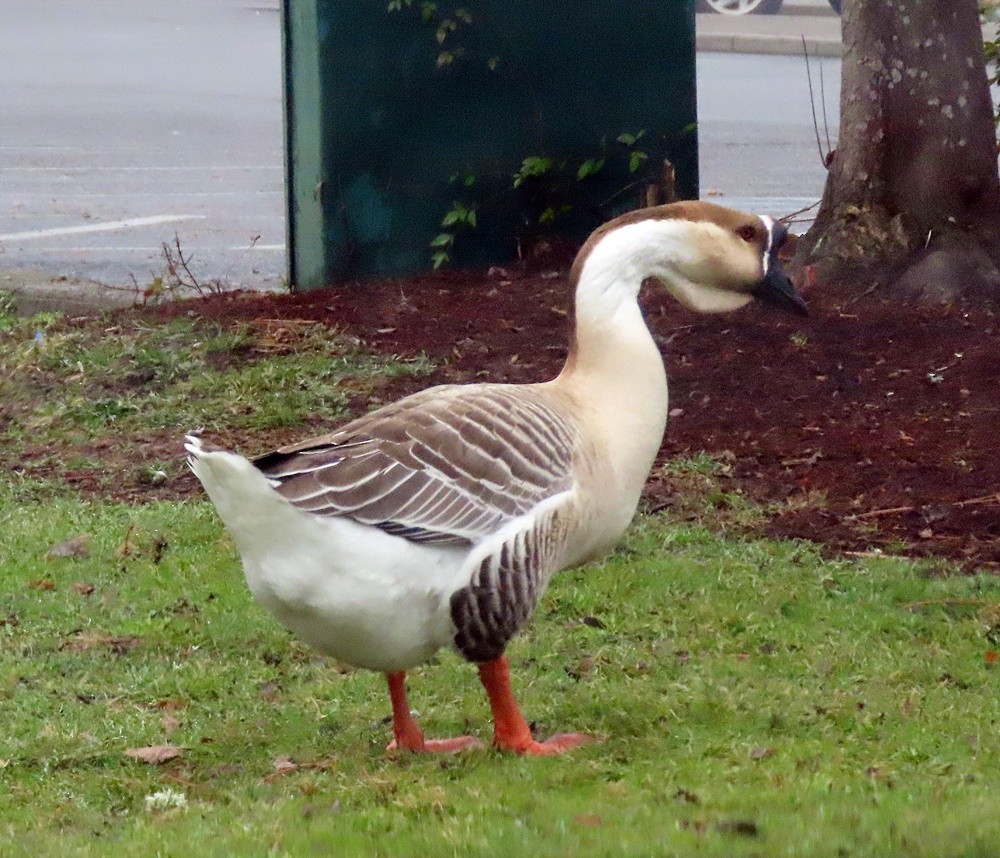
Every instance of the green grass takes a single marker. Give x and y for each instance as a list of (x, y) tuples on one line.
[(80, 382), (67, 387), (752, 699)]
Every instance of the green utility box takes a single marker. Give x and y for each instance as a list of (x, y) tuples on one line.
[(462, 132)]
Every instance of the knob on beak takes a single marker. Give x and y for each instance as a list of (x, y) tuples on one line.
[(776, 288)]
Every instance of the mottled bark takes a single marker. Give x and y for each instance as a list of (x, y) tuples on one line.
[(912, 197)]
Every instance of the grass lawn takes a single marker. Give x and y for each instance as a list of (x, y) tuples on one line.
[(751, 698)]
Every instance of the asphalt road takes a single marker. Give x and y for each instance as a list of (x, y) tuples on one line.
[(757, 141), (125, 122)]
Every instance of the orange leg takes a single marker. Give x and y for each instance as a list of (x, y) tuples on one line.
[(407, 733), (510, 730)]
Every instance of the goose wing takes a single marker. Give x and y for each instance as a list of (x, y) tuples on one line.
[(448, 465)]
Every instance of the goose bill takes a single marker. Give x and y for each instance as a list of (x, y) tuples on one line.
[(777, 289)]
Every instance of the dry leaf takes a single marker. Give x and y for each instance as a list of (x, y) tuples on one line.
[(283, 765), (155, 755), (83, 588), (762, 753), (991, 657), (591, 820), (742, 827), (41, 584), (78, 546), (170, 724), (118, 644)]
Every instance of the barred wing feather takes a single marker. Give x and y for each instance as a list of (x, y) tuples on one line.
[(448, 465)]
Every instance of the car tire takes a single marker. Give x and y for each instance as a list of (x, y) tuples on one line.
[(742, 7)]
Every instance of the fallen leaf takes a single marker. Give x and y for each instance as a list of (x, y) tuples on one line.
[(155, 755), (118, 644), (992, 657), (77, 546), (584, 668), (926, 533), (591, 820), (83, 588), (284, 764), (762, 753), (41, 584), (743, 827), (170, 724)]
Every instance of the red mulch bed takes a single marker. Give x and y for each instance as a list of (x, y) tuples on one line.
[(871, 424)]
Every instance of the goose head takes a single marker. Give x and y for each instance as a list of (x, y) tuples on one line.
[(711, 258)]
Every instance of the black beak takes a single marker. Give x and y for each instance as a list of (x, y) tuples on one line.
[(776, 288)]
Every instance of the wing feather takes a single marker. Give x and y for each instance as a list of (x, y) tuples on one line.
[(448, 465)]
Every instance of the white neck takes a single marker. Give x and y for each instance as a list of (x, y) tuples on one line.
[(614, 369)]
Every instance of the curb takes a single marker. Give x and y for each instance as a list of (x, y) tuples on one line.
[(759, 44), (791, 8)]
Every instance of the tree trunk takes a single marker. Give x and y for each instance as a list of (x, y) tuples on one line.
[(912, 197)]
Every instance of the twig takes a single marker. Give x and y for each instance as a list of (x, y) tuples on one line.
[(812, 102), (788, 217), (875, 513), (822, 102), (172, 266)]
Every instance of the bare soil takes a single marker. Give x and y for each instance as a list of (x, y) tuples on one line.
[(868, 426)]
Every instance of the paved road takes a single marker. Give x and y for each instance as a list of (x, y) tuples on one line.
[(756, 136), (163, 115), (123, 122)]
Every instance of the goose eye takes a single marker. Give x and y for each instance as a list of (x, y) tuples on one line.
[(747, 233)]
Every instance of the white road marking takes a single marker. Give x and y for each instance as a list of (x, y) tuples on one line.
[(158, 195), (149, 169), (277, 248), (107, 226)]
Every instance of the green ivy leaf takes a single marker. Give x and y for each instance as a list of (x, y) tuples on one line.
[(635, 160), (439, 259), (589, 168), (443, 239), (533, 165), (627, 139)]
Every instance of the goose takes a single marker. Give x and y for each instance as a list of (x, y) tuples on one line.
[(439, 520)]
